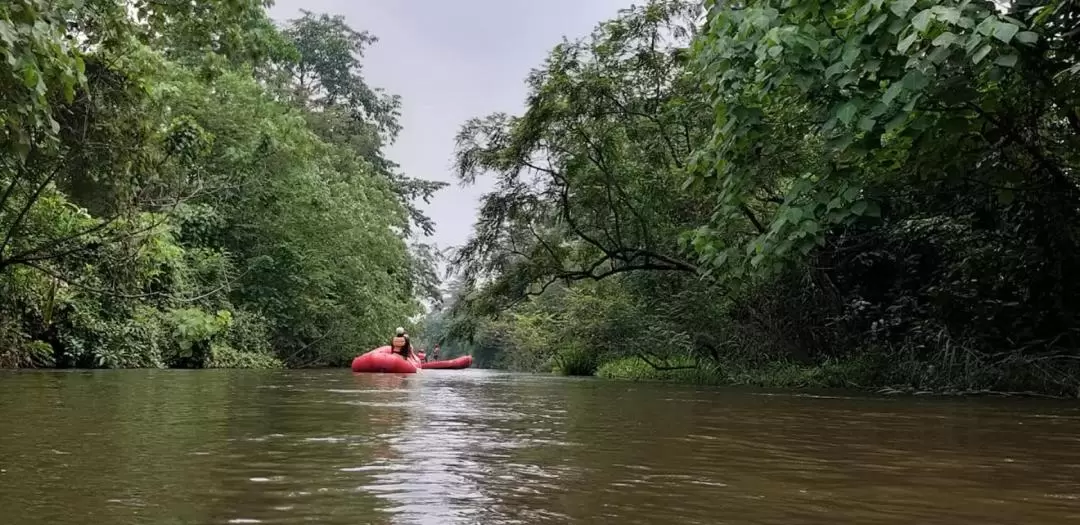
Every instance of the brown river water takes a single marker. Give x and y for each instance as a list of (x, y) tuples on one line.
[(474, 446)]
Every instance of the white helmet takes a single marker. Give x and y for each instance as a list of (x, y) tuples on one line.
[(399, 331)]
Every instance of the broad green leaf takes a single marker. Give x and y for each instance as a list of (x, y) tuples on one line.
[(847, 111), (901, 7), (904, 44), (1006, 60), (850, 78), (947, 14), (896, 122), (939, 54), (876, 23), (986, 27), (894, 91), (944, 40), (914, 80), (863, 12), (1027, 37), (973, 43), (7, 32), (851, 54), (922, 20), (910, 106), (867, 123), (981, 54), (1005, 31), (31, 76)]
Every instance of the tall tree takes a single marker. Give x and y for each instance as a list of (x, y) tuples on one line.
[(327, 77), (585, 178)]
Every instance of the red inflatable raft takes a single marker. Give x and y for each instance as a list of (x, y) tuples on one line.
[(464, 361), (381, 360)]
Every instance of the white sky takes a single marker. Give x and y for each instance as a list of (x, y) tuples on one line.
[(451, 61)]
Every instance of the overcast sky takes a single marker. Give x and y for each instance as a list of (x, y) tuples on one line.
[(450, 61)]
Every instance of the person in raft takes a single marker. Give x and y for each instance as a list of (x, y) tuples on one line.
[(400, 344), (435, 352)]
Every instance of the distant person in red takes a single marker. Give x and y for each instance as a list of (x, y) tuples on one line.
[(435, 352)]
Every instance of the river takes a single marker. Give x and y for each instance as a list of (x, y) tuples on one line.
[(474, 446)]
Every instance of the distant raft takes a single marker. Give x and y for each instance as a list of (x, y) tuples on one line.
[(457, 363), (381, 360)]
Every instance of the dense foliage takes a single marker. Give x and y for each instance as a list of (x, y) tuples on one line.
[(853, 192), (186, 184)]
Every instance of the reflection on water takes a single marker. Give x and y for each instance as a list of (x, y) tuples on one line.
[(195, 447)]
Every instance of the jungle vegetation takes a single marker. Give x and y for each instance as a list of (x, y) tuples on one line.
[(787, 192), (189, 184)]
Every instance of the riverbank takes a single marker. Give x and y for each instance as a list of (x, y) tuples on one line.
[(883, 378)]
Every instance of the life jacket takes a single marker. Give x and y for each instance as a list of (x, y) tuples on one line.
[(397, 343)]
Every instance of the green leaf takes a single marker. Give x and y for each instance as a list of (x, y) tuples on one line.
[(851, 54), (1005, 31), (31, 76), (945, 39), (910, 106), (939, 54), (7, 32), (901, 7), (847, 111), (922, 20), (894, 91), (904, 44), (1027, 37), (896, 26), (859, 207), (1006, 60), (850, 78), (876, 23), (946, 13), (688, 182), (914, 80), (834, 70), (986, 26), (863, 12), (981, 54), (867, 123), (896, 122)]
